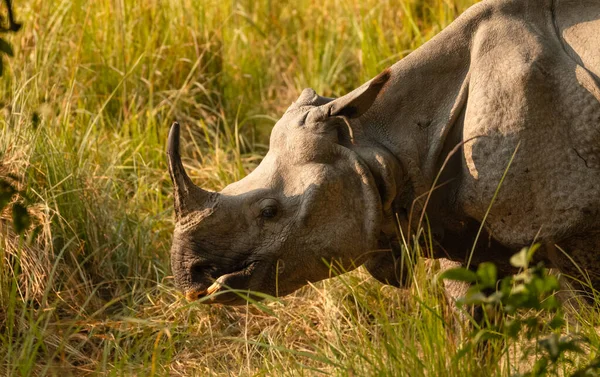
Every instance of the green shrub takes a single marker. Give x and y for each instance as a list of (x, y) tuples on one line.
[(522, 309)]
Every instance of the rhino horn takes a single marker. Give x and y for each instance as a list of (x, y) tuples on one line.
[(187, 195)]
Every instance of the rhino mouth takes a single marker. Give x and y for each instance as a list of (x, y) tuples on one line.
[(225, 289)]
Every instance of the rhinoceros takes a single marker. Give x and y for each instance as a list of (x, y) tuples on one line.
[(492, 125)]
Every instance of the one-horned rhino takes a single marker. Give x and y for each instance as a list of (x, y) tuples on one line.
[(508, 92)]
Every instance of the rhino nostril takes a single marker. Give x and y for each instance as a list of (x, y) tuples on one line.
[(199, 272), (197, 269)]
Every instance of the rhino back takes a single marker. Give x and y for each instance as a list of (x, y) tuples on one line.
[(577, 23), (525, 90)]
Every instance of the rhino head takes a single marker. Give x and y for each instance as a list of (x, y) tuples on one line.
[(311, 204)]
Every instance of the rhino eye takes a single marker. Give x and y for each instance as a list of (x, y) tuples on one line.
[(268, 212)]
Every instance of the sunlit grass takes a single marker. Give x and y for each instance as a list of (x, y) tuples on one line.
[(87, 102)]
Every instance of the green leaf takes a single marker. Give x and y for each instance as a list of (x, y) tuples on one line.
[(459, 274), (570, 346), (550, 304), (495, 298), (519, 260), (557, 321), (6, 48), (519, 289), (512, 328), (523, 257), (487, 274), (551, 284), (21, 218), (473, 298)]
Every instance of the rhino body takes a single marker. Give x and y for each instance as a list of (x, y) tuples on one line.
[(509, 82)]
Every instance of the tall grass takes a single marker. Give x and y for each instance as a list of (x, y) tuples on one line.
[(86, 105)]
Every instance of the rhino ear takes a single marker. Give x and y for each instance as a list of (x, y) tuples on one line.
[(357, 102)]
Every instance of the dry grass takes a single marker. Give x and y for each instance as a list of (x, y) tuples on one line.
[(87, 101)]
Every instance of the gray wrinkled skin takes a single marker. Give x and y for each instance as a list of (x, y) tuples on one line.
[(340, 172)]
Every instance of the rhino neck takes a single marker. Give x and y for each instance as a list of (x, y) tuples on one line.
[(418, 117), (423, 101)]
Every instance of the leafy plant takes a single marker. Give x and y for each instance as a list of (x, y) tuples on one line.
[(20, 216), (523, 309), (13, 26)]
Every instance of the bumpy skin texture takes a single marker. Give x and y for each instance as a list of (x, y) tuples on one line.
[(509, 77)]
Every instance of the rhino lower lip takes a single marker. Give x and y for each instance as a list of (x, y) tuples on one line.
[(233, 280)]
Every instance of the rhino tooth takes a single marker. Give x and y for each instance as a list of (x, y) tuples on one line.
[(213, 288)]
